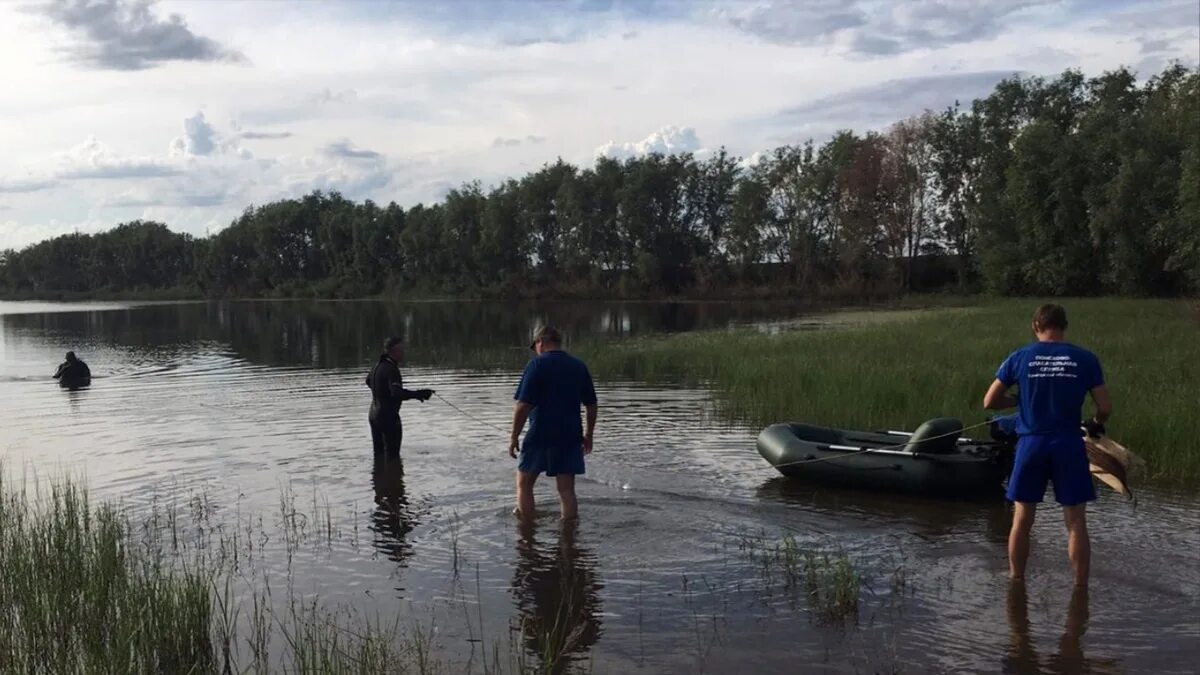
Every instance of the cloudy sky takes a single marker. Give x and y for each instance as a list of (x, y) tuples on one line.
[(188, 112)]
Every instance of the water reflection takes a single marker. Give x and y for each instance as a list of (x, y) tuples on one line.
[(392, 519), (932, 517), (347, 333), (557, 596), (75, 396), (1022, 654)]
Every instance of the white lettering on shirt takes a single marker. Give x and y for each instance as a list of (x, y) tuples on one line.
[(1052, 366)]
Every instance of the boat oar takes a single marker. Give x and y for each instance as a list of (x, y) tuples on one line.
[(1110, 462)]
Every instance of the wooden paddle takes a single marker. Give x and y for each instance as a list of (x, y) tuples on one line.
[(1111, 463)]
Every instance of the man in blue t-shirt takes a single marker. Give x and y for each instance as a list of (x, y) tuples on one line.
[(553, 387), (1054, 379)]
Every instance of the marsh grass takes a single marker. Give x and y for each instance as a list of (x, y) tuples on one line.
[(78, 599), (87, 588), (829, 581), (903, 371), (171, 588)]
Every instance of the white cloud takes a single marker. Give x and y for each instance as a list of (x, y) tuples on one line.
[(753, 160), (199, 137), (24, 185), (347, 150), (875, 107), (93, 160), (264, 135), (872, 27), (353, 179), (15, 235), (669, 140), (506, 142)]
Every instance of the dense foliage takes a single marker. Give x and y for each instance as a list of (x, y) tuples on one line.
[(1060, 186)]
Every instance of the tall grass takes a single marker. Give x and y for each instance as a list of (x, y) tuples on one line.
[(76, 599), (899, 372), (829, 581)]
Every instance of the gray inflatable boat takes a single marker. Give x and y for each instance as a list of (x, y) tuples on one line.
[(934, 460)]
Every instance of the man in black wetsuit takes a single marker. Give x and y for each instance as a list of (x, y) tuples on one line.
[(387, 393), (73, 371)]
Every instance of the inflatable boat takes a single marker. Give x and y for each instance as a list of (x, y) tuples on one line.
[(933, 460)]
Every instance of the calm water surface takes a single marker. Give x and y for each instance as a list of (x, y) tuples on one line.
[(251, 411)]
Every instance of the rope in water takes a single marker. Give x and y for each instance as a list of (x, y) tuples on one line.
[(811, 460), (468, 415)]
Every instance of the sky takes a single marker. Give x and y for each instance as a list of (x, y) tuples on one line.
[(189, 112)]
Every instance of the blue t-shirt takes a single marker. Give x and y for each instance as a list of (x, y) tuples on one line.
[(1054, 379), (556, 384)]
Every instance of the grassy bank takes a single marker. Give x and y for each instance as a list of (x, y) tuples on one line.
[(902, 369)]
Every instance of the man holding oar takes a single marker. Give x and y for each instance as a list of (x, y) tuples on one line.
[(1054, 379), (553, 387)]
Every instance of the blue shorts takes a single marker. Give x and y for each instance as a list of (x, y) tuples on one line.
[(551, 460), (1060, 459)]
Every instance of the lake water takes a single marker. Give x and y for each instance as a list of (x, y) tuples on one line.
[(249, 413)]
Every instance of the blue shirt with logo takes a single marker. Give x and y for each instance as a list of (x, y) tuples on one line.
[(1054, 380), (556, 384)]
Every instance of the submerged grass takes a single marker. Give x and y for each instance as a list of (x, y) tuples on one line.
[(900, 372), (830, 582)]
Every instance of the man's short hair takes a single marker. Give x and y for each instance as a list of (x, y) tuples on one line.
[(1050, 317), (549, 334), (391, 342)]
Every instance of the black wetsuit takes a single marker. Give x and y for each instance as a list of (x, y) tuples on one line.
[(387, 393), (73, 373)]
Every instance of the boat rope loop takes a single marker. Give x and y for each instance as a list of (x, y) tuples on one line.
[(860, 451)]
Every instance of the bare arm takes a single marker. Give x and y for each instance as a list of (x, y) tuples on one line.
[(592, 412), (997, 397), (520, 415), (1103, 403)]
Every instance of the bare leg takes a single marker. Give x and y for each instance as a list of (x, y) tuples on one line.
[(1079, 547), (525, 483), (1018, 538), (566, 496)]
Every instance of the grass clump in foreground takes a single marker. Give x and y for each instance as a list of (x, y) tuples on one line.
[(76, 599), (901, 372), (830, 582)]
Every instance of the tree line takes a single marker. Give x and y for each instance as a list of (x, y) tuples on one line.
[(1057, 186)]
